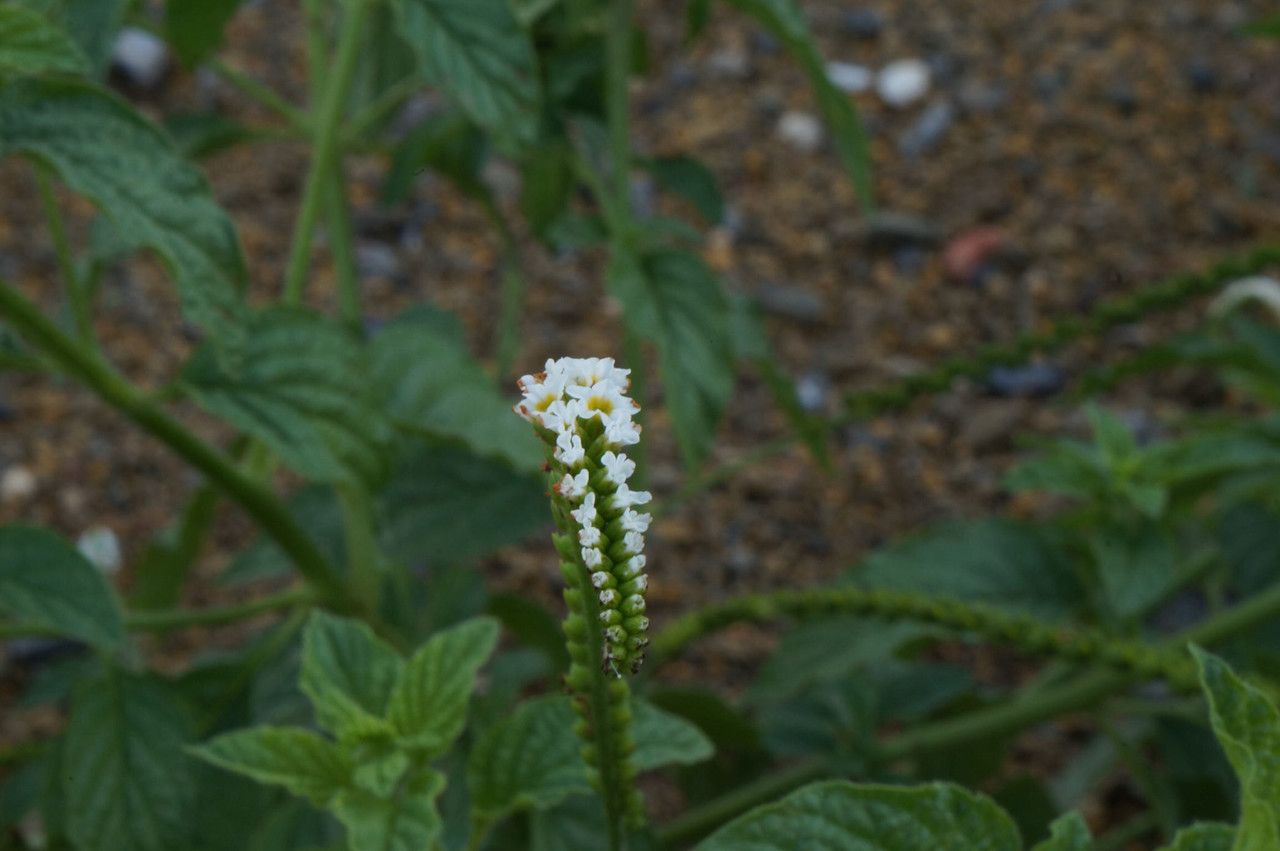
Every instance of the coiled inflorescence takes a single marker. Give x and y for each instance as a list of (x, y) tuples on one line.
[(580, 408)]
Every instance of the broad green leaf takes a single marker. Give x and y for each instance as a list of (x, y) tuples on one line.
[(446, 143), (994, 561), (44, 580), (317, 512), (297, 759), (303, 390), (31, 44), (201, 134), (691, 179), (431, 386), (94, 24), (785, 19), (445, 505), (834, 720), (348, 673), (408, 821), (1069, 833), (1247, 724), (194, 27), (666, 739), (106, 151), (477, 52), (840, 816), (1138, 567), (673, 300), (1249, 536), (528, 761), (129, 780), (577, 825), (428, 707), (1204, 837)]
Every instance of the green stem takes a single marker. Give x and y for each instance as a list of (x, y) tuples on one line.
[(341, 246), (1026, 633), (513, 290), (381, 107), (262, 94), (179, 548), (617, 99), (639, 381), (364, 563), (165, 620), (77, 297), (326, 140), (253, 497)]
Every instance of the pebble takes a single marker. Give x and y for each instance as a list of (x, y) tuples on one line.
[(966, 256), (791, 302), (377, 260), (1201, 77), (903, 82), (850, 78), (811, 392), (18, 483), (730, 63), (1033, 380), (801, 130), (140, 58), (101, 546), (890, 230), (862, 23), (928, 129)]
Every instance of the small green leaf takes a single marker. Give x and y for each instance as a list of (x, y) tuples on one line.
[(303, 390), (673, 300), (317, 512), (106, 151), (428, 707), (1069, 833), (447, 505), (194, 27), (546, 185), (691, 179), (31, 44), (408, 821), (1204, 837), (94, 24), (297, 759), (431, 386), (446, 143), (349, 674), (1138, 567), (1247, 724), (666, 739), (477, 52), (840, 816), (45, 581), (129, 780)]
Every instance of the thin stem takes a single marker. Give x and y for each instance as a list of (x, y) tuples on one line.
[(180, 547), (639, 382), (252, 496), (262, 94), (513, 290), (364, 563), (326, 141), (617, 100), (341, 246), (77, 296), (380, 107)]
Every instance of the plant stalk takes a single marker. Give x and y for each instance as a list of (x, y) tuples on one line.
[(253, 497), (77, 294)]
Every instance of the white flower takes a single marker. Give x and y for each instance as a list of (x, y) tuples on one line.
[(573, 487), (569, 449), (601, 578), (633, 542), (585, 514), (609, 597), (592, 557), (602, 399), (625, 497), (617, 467), (560, 416), (635, 521), (589, 536), (621, 432)]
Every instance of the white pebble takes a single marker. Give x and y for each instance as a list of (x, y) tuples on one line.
[(140, 56), (800, 130), (903, 82), (849, 78), (101, 546), (18, 483)]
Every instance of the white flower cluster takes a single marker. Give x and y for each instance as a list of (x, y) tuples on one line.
[(581, 408)]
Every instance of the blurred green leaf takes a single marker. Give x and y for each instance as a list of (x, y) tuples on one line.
[(299, 760), (407, 821), (201, 134), (45, 581), (317, 512), (692, 180), (194, 27), (1268, 27), (1138, 566), (349, 674), (546, 185), (1249, 535), (1069, 833), (31, 44), (446, 143), (1204, 837), (665, 739), (94, 24)]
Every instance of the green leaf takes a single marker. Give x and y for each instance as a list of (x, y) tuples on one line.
[(691, 179), (1247, 724), (348, 673), (1069, 833), (318, 513), (31, 44), (408, 821), (1138, 567), (94, 25), (1204, 837), (477, 52), (673, 300), (45, 581), (994, 561), (431, 386), (303, 390), (528, 761), (446, 505), (200, 134), (446, 143), (129, 780), (546, 185), (194, 27), (106, 151), (839, 816), (297, 759), (666, 739), (785, 20), (1249, 536), (1268, 27), (429, 704)]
